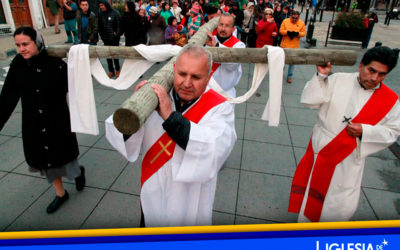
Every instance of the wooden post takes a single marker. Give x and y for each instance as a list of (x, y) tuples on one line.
[(247, 55)]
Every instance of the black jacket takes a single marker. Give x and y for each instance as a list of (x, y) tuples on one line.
[(41, 83), (70, 14), (135, 29), (92, 29), (109, 24), (239, 17)]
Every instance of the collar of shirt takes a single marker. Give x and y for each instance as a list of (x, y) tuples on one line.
[(221, 40), (181, 107)]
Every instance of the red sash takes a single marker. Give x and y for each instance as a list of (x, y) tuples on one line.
[(378, 105), (163, 149), (228, 43)]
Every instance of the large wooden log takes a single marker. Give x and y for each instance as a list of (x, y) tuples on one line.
[(135, 110), (247, 55)]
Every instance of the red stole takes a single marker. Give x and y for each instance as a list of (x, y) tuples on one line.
[(163, 149), (228, 43), (378, 105)]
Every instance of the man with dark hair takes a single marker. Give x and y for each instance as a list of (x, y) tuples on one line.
[(87, 24), (109, 24), (211, 11), (358, 116)]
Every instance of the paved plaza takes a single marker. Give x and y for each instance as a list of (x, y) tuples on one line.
[(253, 185)]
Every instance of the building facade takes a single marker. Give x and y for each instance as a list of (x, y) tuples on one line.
[(17, 13)]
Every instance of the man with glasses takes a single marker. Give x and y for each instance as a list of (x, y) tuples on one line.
[(292, 29)]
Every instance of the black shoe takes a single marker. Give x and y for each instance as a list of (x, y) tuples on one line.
[(80, 181), (57, 202)]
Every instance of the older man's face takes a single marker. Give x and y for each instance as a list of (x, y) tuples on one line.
[(190, 76), (225, 26)]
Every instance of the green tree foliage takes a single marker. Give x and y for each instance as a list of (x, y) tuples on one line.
[(349, 20)]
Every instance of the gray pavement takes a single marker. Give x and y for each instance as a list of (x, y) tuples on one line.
[(253, 186)]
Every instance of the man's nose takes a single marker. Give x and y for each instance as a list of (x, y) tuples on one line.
[(375, 76), (187, 82)]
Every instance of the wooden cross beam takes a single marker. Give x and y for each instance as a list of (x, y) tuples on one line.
[(135, 110), (221, 55)]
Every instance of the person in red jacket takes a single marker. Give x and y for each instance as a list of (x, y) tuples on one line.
[(266, 29)]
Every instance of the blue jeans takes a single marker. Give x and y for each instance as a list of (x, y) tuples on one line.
[(290, 71), (70, 27)]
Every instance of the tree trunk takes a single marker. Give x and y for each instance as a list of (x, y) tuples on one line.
[(136, 109), (247, 55)]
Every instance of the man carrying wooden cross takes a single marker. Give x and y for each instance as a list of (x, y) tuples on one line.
[(185, 143), (358, 116)]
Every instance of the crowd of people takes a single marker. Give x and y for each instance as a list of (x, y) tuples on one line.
[(256, 22)]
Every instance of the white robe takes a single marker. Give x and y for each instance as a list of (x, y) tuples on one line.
[(181, 193), (341, 95), (228, 74)]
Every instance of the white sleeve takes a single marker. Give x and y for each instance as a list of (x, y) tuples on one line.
[(228, 74), (210, 143), (130, 148), (316, 91), (382, 135)]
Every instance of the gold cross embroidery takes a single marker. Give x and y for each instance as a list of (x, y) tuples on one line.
[(163, 149)]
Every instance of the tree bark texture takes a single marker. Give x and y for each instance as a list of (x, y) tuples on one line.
[(220, 55), (136, 109)]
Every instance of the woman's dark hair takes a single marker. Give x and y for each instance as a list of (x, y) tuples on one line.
[(26, 30), (163, 6), (382, 54), (131, 6), (171, 19)]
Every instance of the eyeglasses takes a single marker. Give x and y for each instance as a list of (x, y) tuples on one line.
[(268, 14)]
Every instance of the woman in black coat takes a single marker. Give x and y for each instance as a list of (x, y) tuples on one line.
[(132, 26), (40, 81)]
